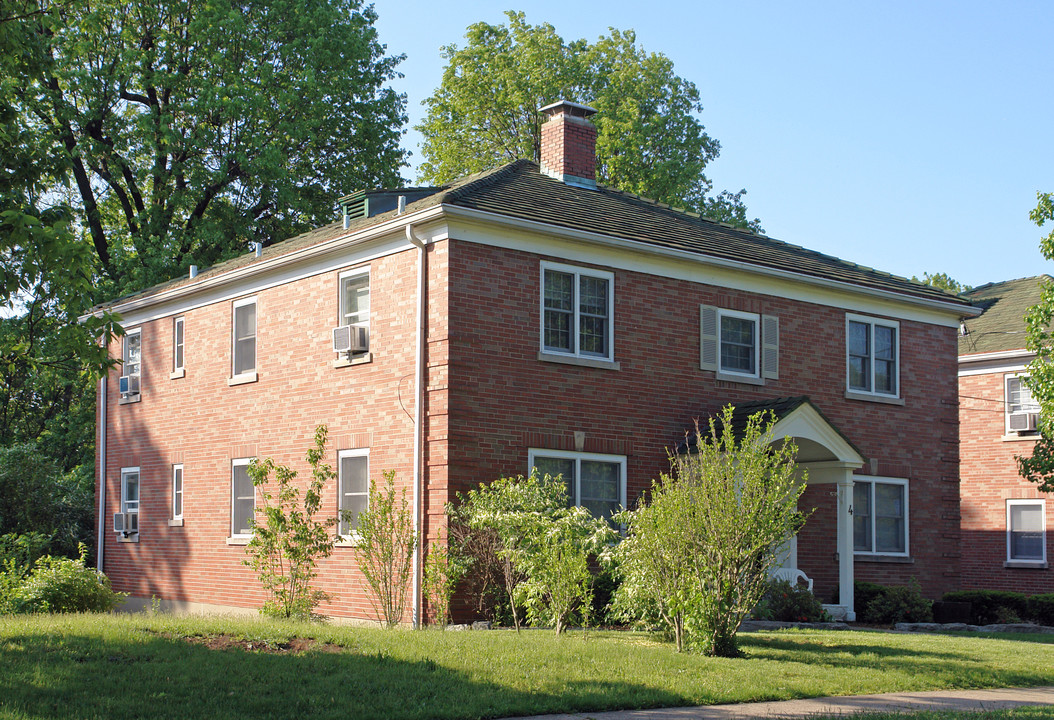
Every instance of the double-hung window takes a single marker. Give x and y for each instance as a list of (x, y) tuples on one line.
[(1022, 410), (131, 364), (243, 498), (880, 516), (1026, 527), (354, 317), (353, 479), (739, 346), (177, 347), (130, 490), (872, 356), (577, 311), (177, 491), (243, 339), (595, 482)]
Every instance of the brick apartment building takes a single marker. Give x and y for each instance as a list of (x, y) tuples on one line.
[(523, 317), (1004, 540)]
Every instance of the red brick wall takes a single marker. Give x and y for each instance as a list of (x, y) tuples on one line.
[(506, 400), (989, 478)]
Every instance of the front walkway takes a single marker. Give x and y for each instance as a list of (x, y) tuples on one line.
[(957, 700)]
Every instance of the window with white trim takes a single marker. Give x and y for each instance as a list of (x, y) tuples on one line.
[(577, 309), (872, 356), (1022, 410), (243, 337), (177, 491), (738, 345), (1026, 531), (130, 490), (177, 344), (595, 482), (243, 497), (880, 516), (131, 364), (353, 483)]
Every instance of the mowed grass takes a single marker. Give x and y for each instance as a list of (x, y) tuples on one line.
[(134, 666)]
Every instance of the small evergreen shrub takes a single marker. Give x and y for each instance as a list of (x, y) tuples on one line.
[(863, 594), (901, 603), (991, 606), (1041, 609), (790, 603), (62, 585)]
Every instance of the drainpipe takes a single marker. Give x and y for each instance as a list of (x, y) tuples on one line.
[(419, 396), (102, 472)]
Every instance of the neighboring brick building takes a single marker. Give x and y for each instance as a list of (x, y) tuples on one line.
[(1004, 541), (519, 318)]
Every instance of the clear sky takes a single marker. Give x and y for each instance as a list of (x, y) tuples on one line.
[(906, 136)]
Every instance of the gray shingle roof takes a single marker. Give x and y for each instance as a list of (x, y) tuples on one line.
[(1001, 325)]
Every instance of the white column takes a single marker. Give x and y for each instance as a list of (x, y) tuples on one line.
[(845, 544)]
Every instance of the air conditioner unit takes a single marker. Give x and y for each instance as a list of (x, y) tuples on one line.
[(1023, 422), (126, 523), (351, 339), (129, 384)]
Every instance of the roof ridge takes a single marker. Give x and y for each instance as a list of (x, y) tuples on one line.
[(467, 183)]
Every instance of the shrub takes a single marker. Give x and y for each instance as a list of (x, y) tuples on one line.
[(62, 585), (863, 594), (444, 568), (1041, 609), (385, 547), (18, 554), (991, 606), (789, 603), (901, 603)]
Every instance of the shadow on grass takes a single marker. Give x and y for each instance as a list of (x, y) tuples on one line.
[(70, 676)]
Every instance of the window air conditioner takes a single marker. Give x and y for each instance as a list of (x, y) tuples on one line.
[(1023, 422), (350, 339), (129, 384), (126, 523)]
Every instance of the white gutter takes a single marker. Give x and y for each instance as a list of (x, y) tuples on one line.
[(996, 355), (419, 396), (102, 473)]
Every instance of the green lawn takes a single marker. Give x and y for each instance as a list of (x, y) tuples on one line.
[(134, 666)]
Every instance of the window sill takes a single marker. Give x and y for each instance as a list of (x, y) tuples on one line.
[(888, 559), (579, 361), (177, 374), (239, 540), (1018, 437), (130, 399), (867, 397), (745, 379), (1025, 565), (175, 522), (360, 359), (243, 379), (133, 538), (346, 542)]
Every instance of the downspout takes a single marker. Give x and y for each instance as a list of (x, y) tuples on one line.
[(102, 473), (419, 395)]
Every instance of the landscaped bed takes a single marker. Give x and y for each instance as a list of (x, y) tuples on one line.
[(159, 666)]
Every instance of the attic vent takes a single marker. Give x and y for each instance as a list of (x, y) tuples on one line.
[(354, 206)]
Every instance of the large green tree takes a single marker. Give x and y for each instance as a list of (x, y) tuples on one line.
[(1039, 468), (649, 138)]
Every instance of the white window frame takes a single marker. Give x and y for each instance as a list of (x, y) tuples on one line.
[(756, 319), (578, 457), (239, 462), (125, 473), (1020, 377), (871, 322), (578, 273), (353, 452), (872, 480), (1043, 515), (177, 468), (247, 374), (179, 358), (138, 333)]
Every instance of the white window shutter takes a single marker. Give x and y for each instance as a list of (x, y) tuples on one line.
[(770, 347), (708, 337)]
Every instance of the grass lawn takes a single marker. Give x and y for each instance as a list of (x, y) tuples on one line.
[(135, 666)]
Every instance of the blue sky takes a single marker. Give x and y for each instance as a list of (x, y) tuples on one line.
[(906, 136)]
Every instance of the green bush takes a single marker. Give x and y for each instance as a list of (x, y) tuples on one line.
[(992, 606), (789, 603), (895, 604), (61, 585), (1041, 609), (863, 594), (18, 553)]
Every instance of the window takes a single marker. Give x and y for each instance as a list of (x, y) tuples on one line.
[(243, 352), (1022, 410), (595, 482), (132, 365), (177, 491), (130, 490), (353, 478), (738, 345), (880, 516), (243, 497), (1026, 531), (355, 298), (177, 345), (577, 316), (873, 356)]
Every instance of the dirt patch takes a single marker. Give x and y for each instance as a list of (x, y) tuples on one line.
[(292, 646)]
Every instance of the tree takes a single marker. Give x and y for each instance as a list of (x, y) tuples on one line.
[(1039, 468), (699, 552), (649, 139), (944, 282)]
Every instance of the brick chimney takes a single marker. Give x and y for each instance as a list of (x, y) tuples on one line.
[(569, 144)]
